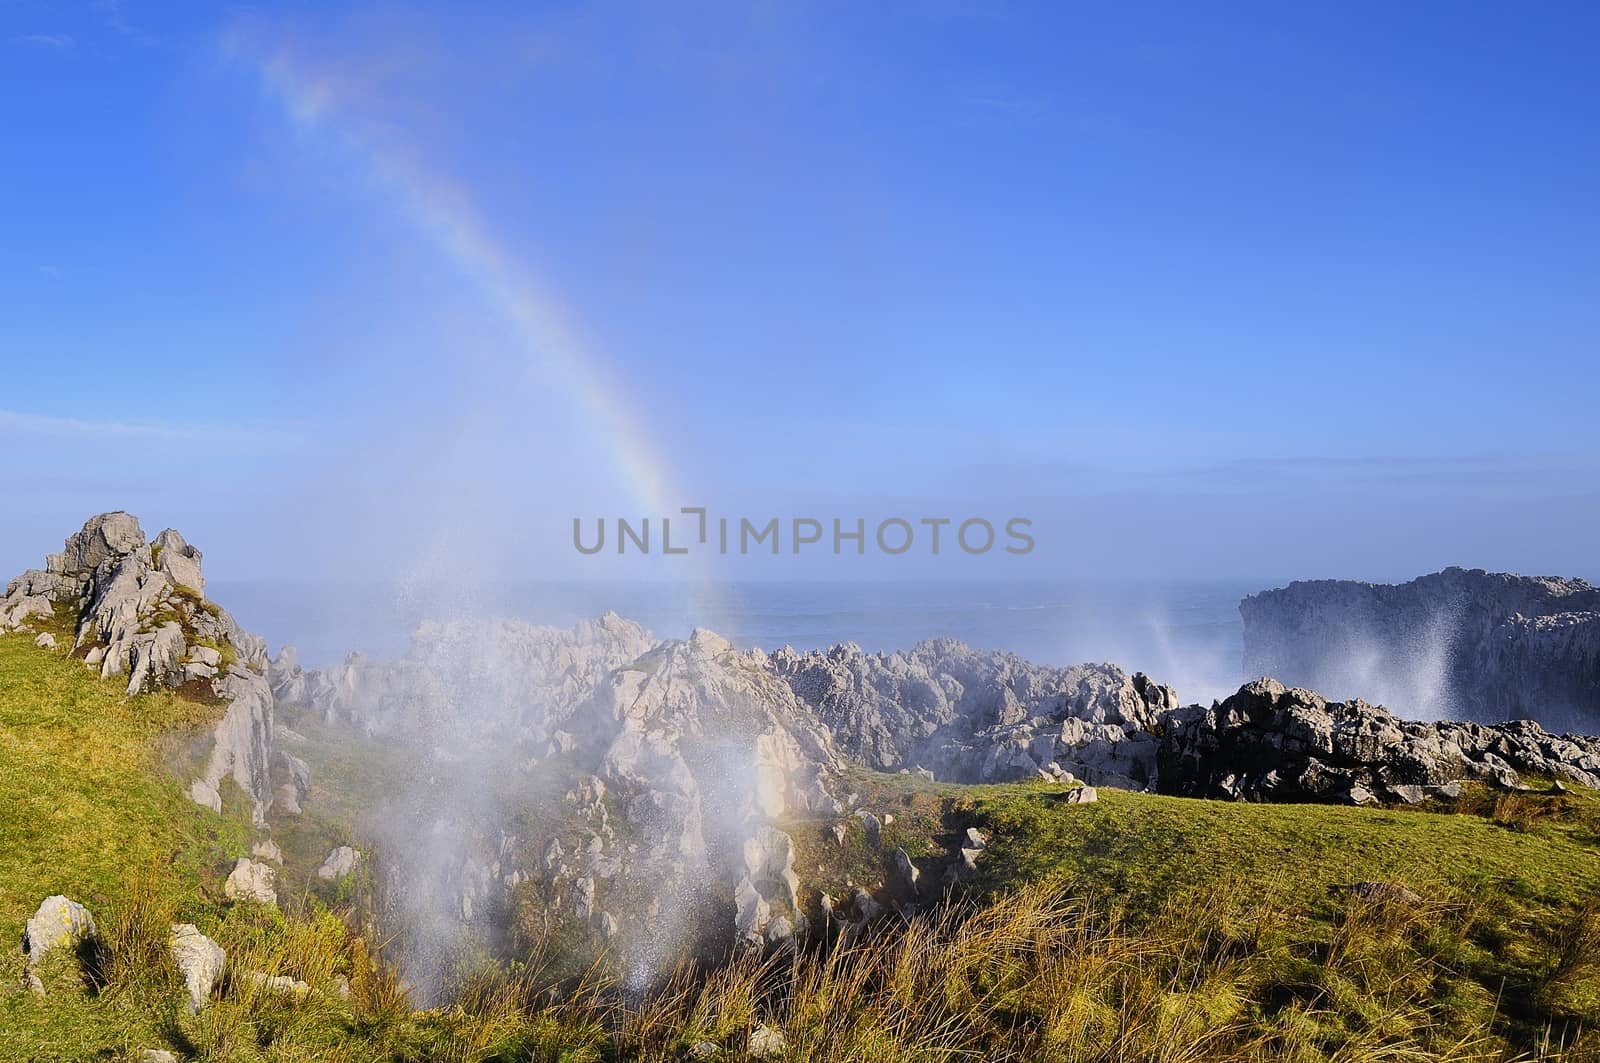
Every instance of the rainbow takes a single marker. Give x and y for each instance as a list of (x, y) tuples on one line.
[(444, 217)]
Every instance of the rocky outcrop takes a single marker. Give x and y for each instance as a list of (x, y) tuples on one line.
[(975, 716), (138, 609), (1458, 644), (687, 749), (1275, 743), (698, 747)]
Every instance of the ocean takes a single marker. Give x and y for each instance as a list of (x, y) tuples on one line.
[(1184, 633)]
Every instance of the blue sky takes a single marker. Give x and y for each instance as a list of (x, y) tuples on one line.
[(1254, 289)]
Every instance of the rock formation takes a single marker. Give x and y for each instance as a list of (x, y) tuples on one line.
[(1458, 644), (1270, 742), (138, 609), (979, 716)]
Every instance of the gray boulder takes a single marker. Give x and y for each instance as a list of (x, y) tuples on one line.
[(199, 960), (251, 880), (339, 863), (58, 924), (904, 875), (767, 1042)]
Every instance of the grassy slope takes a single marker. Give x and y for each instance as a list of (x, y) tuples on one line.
[(1506, 933), (1144, 847), (87, 812)]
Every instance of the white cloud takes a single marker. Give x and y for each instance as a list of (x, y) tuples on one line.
[(13, 422), (44, 40)]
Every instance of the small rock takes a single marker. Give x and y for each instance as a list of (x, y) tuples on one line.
[(867, 909), (1407, 793), (339, 863), (583, 897), (59, 923), (1082, 795), (267, 850), (45, 641), (277, 983), (1386, 891), (975, 839), (203, 793), (157, 1055), (838, 831), (702, 1050), (251, 880), (1450, 791), (780, 931), (200, 961), (871, 824), (767, 1042), (905, 873), (750, 910)]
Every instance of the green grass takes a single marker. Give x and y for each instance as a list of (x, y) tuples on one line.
[(89, 807), (1508, 895), (87, 798), (1143, 847)]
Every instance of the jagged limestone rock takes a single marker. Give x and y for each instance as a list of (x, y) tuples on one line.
[(1272, 742), (179, 561), (199, 960), (251, 880), (138, 610), (904, 875), (769, 864), (340, 862)]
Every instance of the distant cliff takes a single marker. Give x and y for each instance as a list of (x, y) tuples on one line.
[(1458, 644)]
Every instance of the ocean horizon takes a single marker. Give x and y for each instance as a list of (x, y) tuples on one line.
[(1184, 632)]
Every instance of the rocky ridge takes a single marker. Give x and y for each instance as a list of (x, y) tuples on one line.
[(1457, 644), (138, 609), (1269, 742)]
